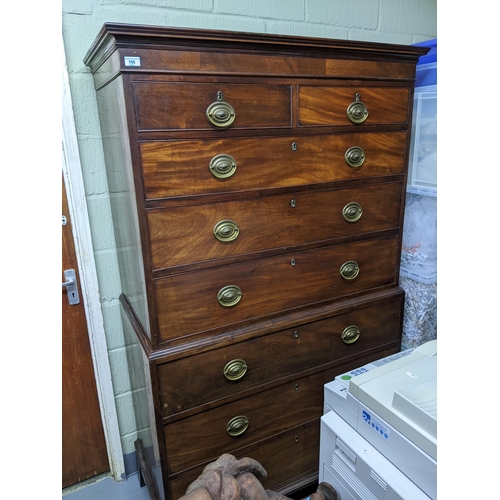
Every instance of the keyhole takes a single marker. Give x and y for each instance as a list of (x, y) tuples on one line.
[(294, 146)]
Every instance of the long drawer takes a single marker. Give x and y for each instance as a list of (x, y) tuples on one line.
[(246, 365), (226, 295), (194, 167), (229, 427), (198, 233), (293, 454)]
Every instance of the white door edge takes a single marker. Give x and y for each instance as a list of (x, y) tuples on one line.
[(77, 203)]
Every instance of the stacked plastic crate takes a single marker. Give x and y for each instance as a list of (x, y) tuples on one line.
[(419, 252)]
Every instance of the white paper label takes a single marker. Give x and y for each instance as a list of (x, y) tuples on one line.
[(132, 61)]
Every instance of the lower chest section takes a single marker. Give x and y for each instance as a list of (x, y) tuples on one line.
[(263, 397)]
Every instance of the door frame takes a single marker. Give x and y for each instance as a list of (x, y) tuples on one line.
[(77, 203)]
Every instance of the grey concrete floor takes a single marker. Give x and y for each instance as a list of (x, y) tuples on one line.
[(105, 488)]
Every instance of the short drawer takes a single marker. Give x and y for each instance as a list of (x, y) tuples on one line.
[(201, 437), (292, 455), (193, 234), (328, 105), (225, 295), (209, 106), (195, 167), (217, 374)]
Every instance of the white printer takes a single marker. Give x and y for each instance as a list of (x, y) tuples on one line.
[(380, 440)]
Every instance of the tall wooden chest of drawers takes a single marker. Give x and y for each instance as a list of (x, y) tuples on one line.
[(257, 191)]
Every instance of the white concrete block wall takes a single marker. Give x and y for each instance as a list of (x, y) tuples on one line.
[(389, 21)]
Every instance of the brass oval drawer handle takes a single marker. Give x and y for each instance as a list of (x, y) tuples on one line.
[(237, 425), (229, 295), (352, 212), (226, 230), (222, 166), (355, 156), (351, 334), (357, 111), (349, 270), (235, 369), (221, 114)]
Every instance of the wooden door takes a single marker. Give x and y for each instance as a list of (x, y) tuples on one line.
[(84, 453)]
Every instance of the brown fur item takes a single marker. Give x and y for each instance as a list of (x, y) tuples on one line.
[(251, 488), (230, 479)]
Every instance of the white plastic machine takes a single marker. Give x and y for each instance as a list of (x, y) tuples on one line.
[(379, 429)]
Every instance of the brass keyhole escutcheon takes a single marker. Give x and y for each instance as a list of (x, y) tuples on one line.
[(229, 295), (226, 230), (354, 156), (357, 112), (349, 270), (351, 334), (235, 369), (352, 212), (237, 425)]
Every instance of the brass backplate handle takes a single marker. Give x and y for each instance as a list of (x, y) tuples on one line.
[(355, 156), (357, 111), (349, 270), (351, 334), (226, 230), (237, 425), (352, 212), (229, 295), (235, 369), (221, 114), (222, 166)]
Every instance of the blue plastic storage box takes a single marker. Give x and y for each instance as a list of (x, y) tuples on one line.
[(427, 65)]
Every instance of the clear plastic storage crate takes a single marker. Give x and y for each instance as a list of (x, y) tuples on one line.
[(422, 173), (418, 275)]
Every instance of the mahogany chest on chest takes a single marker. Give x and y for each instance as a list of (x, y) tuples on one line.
[(257, 185)]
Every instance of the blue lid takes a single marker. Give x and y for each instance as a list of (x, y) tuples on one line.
[(431, 56)]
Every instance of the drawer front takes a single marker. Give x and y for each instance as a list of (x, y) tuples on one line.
[(194, 167), (187, 106), (201, 437), (292, 455), (212, 298), (326, 105), (192, 234), (219, 373)]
